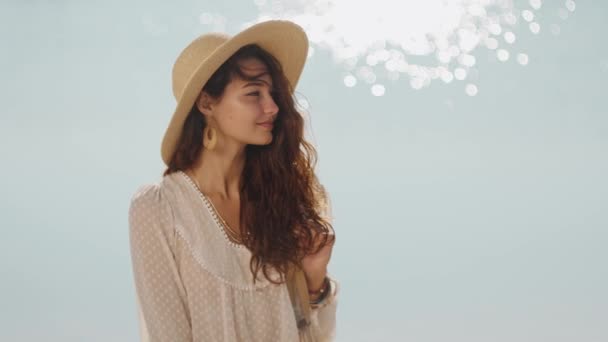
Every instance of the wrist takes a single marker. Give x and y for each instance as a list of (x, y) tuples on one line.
[(317, 296), (316, 280)]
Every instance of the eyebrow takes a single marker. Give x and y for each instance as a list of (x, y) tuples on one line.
[(256, 83)]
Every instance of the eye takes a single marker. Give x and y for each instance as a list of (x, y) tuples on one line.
[(255, 93)]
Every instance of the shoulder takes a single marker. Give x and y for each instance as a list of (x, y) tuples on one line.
[(150, 199), (154, 192), (146, 195)]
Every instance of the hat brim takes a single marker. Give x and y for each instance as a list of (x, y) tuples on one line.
[(286, 41)]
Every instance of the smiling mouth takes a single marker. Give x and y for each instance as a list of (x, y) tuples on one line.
[(266, 124)]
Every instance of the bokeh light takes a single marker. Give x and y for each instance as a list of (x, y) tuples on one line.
[(471, 89), (350, 81), (460, 74), (570, 5), (509, 37), (536, 4), (377, 90), (432, 40), (502, 55), (522, 59), (527, 15), (535, 27)]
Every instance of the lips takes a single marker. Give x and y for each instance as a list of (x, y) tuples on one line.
[(267, 124)]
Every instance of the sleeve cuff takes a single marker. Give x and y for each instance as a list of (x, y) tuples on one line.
[(331, 296)]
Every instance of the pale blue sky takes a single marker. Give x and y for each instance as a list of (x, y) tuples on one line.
[(458, 218)]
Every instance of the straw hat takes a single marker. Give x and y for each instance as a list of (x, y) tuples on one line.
[(285, 40)]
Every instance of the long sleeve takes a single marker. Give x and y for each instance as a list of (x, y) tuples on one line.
[(323, 317), (161, 297)]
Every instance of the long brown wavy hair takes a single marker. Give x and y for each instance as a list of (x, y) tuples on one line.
[(283, 204)]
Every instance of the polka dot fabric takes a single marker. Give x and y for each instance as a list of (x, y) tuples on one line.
[(193, 284)]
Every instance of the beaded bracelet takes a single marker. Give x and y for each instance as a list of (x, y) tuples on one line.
[(323, 291)]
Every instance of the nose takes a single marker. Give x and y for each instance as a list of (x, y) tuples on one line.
[(270, 107)]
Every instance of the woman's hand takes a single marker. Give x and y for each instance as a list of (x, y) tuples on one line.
[(315, 265)]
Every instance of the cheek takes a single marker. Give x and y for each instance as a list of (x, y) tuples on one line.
[(230, 112), (245, 111), (238, 118)]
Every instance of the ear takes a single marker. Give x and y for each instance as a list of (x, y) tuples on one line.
[(204, 103)]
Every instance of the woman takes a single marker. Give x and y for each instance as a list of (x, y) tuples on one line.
[(232, 244)]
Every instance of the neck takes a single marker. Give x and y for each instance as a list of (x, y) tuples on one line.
[(218, 171)]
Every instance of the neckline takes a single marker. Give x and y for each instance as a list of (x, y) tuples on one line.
[(210, 210)]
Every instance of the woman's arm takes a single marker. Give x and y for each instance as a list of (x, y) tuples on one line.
[(323, 314), (161, 296)]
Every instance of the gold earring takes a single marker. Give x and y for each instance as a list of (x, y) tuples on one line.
[(209, 138)]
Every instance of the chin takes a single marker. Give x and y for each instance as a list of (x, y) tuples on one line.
[(263, 141), (268, 141)]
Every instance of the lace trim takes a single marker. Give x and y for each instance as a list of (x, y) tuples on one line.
[(211, 211), (197, 257)]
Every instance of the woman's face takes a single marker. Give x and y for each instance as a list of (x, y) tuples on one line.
[(246, 110)]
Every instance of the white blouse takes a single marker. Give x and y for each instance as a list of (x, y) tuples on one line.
[(194, 284)]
